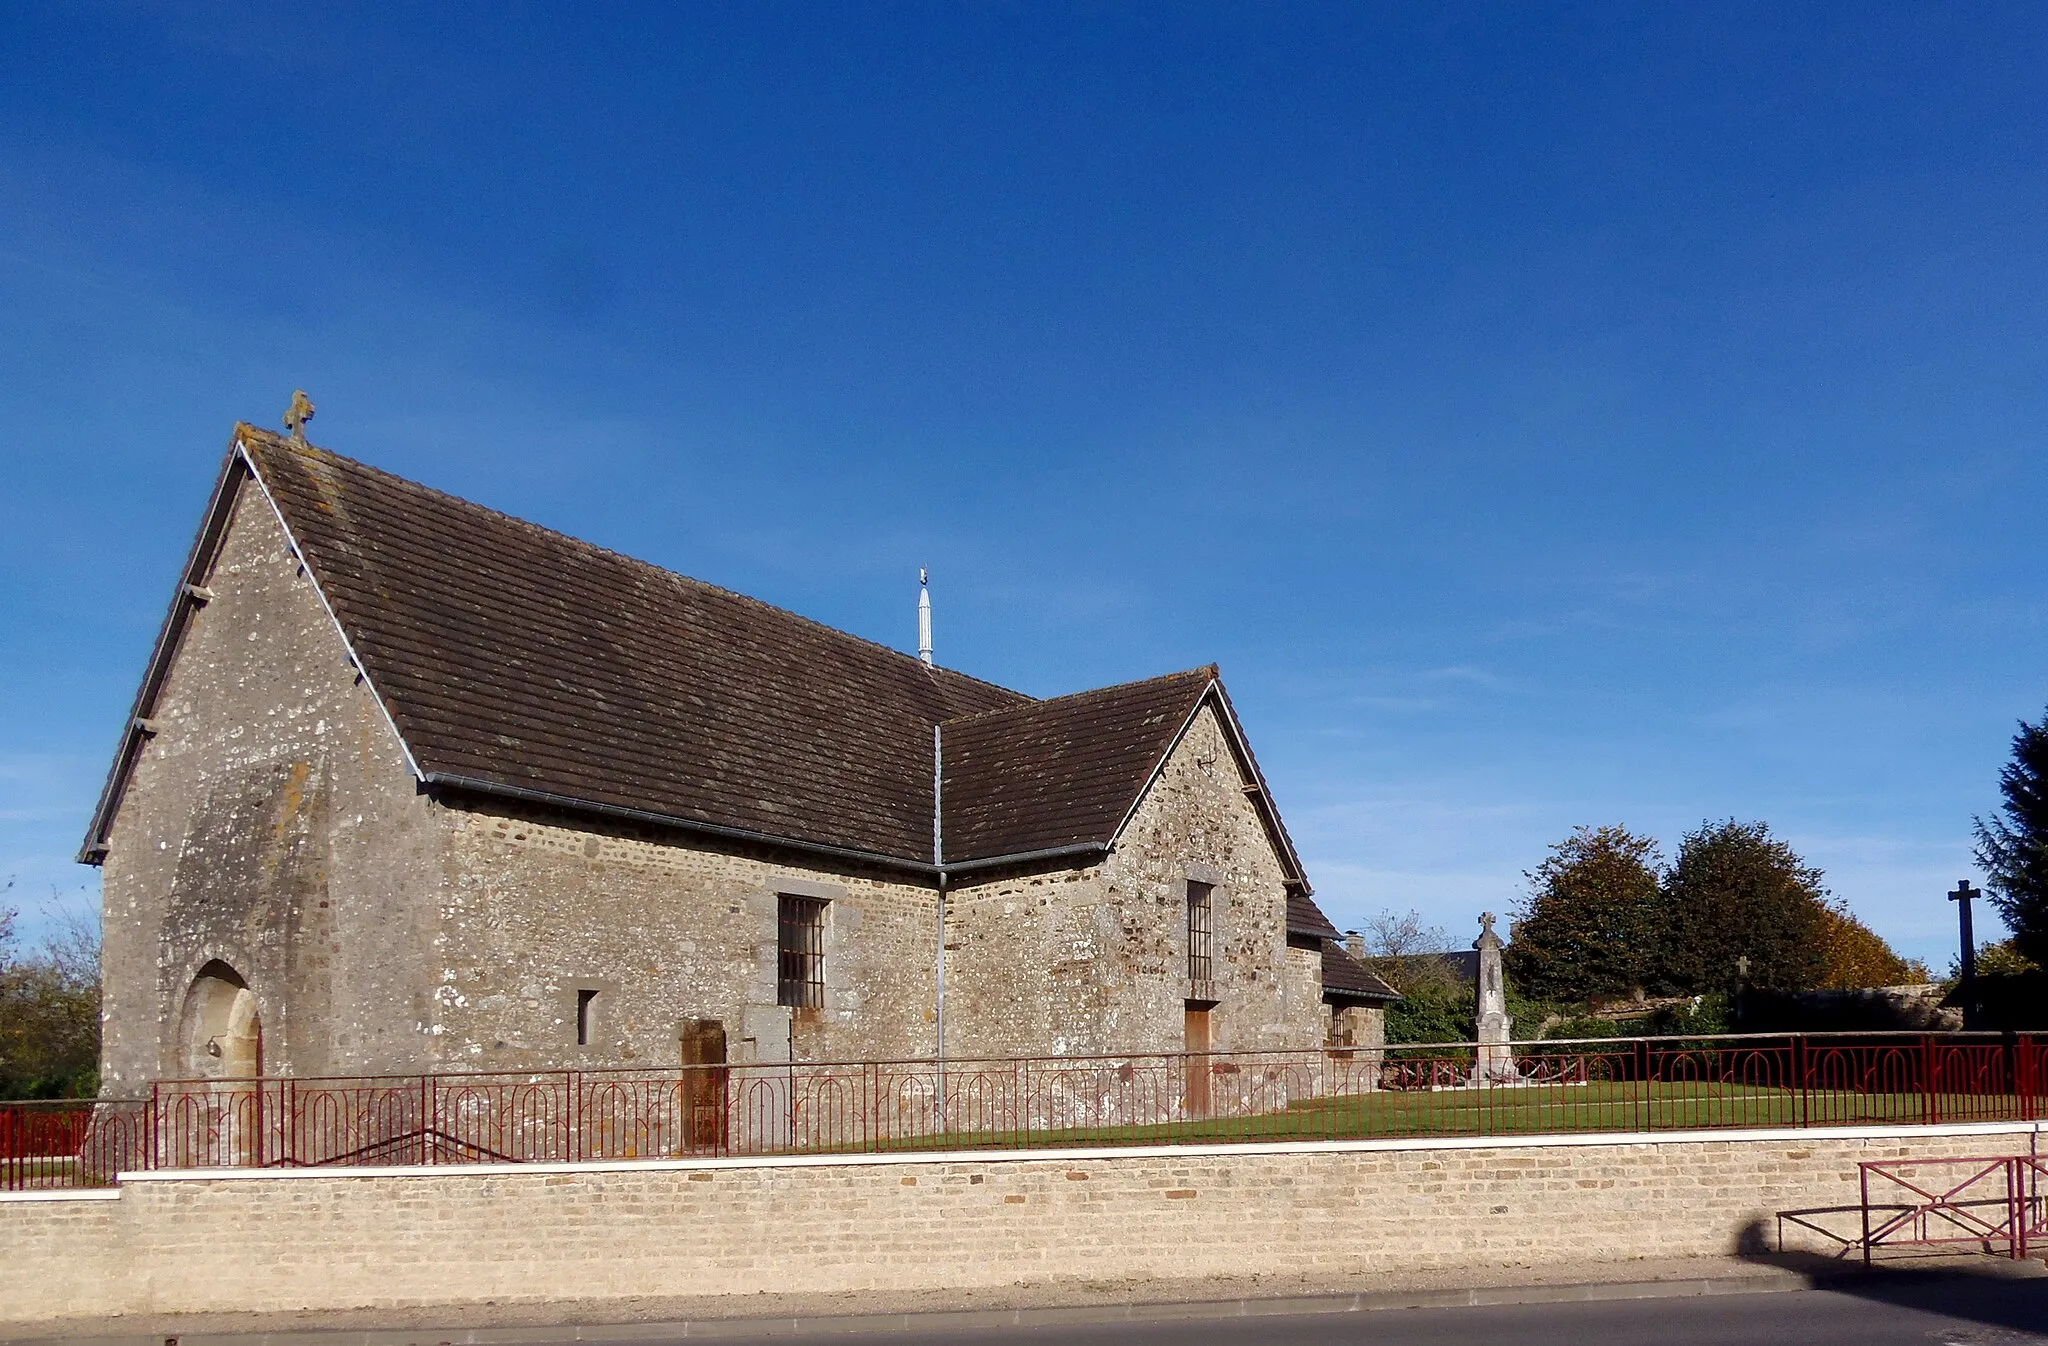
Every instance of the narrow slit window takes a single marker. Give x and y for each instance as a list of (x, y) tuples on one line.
[(800, 980), (584, 1003), (1200, 905)]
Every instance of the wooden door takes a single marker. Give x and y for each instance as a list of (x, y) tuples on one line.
[(1195, 1042), (704, 1084)]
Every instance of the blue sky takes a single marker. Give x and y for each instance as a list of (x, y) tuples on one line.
[(1545, 414)]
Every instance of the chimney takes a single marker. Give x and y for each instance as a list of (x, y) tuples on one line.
[(1354, 944), (924, 616)]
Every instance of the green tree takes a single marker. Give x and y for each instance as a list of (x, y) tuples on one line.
[(2012, 846), (1735, 891), (1432, 1018), (1589, 927), (1996, 960), (1856, 956), (50, 1011), (1436, 1004)]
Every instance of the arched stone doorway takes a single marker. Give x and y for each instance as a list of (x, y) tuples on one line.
[(223, 1032)]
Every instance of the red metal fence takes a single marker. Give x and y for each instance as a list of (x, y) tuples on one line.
[(70, 1143), (1644, 1084), (1992, 1204)]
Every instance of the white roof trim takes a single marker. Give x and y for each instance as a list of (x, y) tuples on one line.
[(355, 661)]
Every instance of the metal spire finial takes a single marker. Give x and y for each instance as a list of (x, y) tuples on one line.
[(924, 616)]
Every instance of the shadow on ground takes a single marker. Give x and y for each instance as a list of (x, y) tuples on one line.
[(2007, 1295)]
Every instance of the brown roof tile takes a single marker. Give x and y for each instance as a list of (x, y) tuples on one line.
[(1345, 978), (1060, 772), (513, 655), (1304, 917), (514, 658)]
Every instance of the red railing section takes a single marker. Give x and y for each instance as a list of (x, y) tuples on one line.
[(1644, 1084), (71, 1143), (1989, 1203)]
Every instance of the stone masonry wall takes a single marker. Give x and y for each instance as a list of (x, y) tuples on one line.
[(663, 933), (317, 1240), (1096, 960)]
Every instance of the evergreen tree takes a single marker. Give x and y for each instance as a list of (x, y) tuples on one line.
[(2012, 847), (1589, 927), (1735, 891)]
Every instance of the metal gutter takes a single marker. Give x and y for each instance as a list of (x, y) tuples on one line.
[(571, 803), (1025, 857)]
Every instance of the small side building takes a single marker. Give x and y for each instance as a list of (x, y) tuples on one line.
[(411, 785)]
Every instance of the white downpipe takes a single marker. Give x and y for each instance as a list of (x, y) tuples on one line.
[(939, 863)]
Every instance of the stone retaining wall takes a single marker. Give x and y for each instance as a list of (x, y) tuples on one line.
[(325, 1239)]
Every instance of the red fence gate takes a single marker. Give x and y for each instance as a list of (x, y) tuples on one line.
[(1994, 1202)]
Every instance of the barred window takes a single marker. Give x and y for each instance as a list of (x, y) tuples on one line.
[(1199, 930), (800, 980)]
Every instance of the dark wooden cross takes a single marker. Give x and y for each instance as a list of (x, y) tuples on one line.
[(1961, 897)]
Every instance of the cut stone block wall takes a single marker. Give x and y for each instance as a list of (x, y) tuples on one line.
[(332, 1239)]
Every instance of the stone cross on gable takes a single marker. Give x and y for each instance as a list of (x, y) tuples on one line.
[(296, 416)]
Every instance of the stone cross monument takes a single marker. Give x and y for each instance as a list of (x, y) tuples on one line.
[(1495, 1062)]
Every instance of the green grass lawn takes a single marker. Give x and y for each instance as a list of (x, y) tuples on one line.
[(1510, 1111), (40, 1171)]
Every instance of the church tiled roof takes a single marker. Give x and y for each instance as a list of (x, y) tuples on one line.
[(519, 661), (1346, 978), (1047, 774), (512, 655)]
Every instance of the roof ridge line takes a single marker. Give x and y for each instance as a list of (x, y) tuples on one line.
[(674, 576), (1211, 671)]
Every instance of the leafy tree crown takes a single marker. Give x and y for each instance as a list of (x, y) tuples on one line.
[(1737, 892), (1588, 927)]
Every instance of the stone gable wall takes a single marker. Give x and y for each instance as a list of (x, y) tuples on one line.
[(272, 824), (1096, 959)]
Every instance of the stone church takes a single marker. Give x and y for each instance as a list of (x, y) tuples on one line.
[(411, 785)]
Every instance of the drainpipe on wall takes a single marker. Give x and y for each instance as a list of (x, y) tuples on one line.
[(939, 965)]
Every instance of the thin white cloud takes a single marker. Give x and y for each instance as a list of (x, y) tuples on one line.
[(1472, 675), (1399, 703)]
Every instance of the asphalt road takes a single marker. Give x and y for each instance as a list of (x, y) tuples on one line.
[(1959, 1312)]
